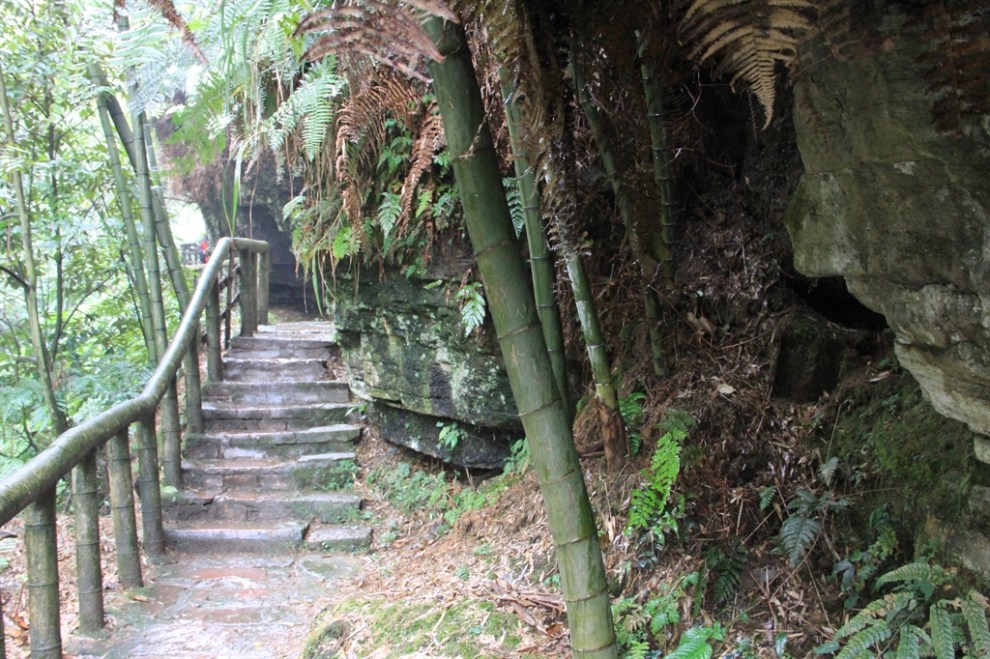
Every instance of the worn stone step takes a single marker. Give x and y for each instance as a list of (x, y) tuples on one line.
[(313, 330), (337, 438), (274, 370), (220, 416), (258, 505), (278, 393), (279, 347), (267, 537), (320, 471), (338, 537)]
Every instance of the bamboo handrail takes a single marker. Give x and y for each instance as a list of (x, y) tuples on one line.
[(32, 486)]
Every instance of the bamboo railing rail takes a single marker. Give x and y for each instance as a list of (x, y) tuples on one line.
[(32, 487)]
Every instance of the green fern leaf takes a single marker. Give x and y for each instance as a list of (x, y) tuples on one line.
[(922, 572), (861, 642), (796, 535), (866, 617), (942, 640), (473, 307), (976, 619), (909, 643), (514, 200), (693, 645), (389, 211)]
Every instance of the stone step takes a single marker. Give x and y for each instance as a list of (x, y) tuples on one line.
[(265, 505), (280, 393), (338, 438), (320, 471), (315, 330), (338, 537), (219, 416), (274, 370), (279, 347), (219, 537)]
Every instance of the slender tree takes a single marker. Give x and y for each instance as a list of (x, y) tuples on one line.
[(29, 278), (528, 365)]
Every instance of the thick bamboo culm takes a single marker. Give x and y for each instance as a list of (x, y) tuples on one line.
[(121, 485), (89, 578), (148, 488), (214, 363), (42, 578)]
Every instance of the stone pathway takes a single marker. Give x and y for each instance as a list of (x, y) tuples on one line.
[(260, 531)]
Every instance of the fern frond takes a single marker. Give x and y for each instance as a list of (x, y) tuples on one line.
[(430, 140), (748, 38), (796, 535), (908, 643), (943, 641), (861, 643), (975, 613), (921, 571), (693, 645)]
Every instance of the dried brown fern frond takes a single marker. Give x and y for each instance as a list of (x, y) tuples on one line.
[(748, 38), (834, 23), (430, 140), (168, 11), (386, 32), (958, 38)]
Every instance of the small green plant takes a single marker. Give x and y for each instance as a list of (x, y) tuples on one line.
[(451, 435), (723, 569), (648, 508), (631, 409), (859, 567), (910, 622), (637, 624), (518, 461), (472, 302), (801, 528)]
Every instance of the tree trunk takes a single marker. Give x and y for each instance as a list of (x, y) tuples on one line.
[(511, 302)]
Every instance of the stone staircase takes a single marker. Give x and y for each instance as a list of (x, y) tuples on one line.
[(269, 473)]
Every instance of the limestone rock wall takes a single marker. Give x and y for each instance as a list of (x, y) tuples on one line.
[(900, 210), (405, 351)]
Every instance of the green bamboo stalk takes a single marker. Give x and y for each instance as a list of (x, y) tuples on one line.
[(588, 317), (42, 578), (148, 489), (127, 212), (89, 576), (249, 292), (122, 511), (177, 275), (660, 154), (30, 279), (517, 325), (214, 363), (170, 403), (540, 261), (648, 257)]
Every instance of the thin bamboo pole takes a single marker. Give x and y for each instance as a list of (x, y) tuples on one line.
[(89, 576), (214, 362), (540, 262), (231, 280), (122, 511), (148, 489), (42, 578)]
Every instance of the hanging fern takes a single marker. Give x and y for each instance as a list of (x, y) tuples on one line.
[(748, 38)]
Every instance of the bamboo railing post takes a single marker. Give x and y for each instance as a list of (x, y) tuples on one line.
[(148, 489), (42, 577), (231, 278), (122, 510), (194, 387), (89, 578), (249, 292), (214, 363), (264, 277), (171, 437)]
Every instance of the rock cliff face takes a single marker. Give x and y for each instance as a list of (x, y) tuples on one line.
[(900, 210), (405, 350)]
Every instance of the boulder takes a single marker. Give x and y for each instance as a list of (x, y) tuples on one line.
[(900, 209)]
